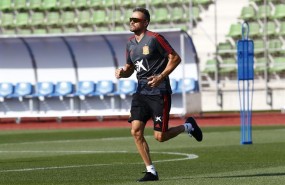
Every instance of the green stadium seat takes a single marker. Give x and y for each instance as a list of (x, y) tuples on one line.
[(101, 29), (140, 3), (5, 5), (8, 31), (84, 18), (37, 19), (161, 15), (7, 19), (258, 2), (127, 4), (259, 47), (87, 29), (263, 11), (68, 18), (96, 4), (120, 28), (70, 30), (248, 13), (158, 2), (260, 65), (282, 29), (195, 13), (210, 67), (275, 46), (35, 4), (80, 4), (178, 15), (117, 16), (49, 4), (271, 28), (254, 30), (53, 18), (278, 65), (24, 31), (65, 4), (279, 12), (226, 49), (99, 17), (228, 66), (203, 2), (22, 19), (20, 4), (55, 30), (40, 31), (235, 30)]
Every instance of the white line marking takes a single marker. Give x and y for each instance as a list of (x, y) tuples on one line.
[(185, 156)]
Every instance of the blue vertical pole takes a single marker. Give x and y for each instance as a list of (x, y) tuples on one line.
[(245, 54)]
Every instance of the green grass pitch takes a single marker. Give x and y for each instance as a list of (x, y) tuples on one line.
[(108, 156)]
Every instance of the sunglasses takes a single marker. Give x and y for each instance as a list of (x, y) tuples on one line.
[(135, 20)]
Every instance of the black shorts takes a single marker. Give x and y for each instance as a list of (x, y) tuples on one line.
[(156, 107)]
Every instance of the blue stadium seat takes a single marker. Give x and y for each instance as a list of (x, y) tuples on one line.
[(126, 87), (104, 87), (85, 88), (188, 84), (22, 89), (6, 89), (173, 84), (44, 90), (63, 89)]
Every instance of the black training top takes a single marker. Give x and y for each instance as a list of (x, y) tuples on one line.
[(150, 57)]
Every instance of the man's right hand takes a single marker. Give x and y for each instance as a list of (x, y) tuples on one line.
[(119, 72)]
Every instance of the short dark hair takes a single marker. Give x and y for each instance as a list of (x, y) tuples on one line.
[(144, 11)]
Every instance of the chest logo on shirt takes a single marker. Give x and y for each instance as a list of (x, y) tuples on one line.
[(145, 50), (139, 65)]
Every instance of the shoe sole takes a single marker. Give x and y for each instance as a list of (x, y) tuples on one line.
[(197, 133)]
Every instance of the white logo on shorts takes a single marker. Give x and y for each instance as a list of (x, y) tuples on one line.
[(158, 118)]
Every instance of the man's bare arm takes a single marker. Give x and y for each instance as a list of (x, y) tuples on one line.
[(125, 72)]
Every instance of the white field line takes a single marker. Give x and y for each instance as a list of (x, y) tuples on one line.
[(185, 156)]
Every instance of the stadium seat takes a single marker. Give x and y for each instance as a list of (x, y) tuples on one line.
[(187, 84), (22, 90), (195, 14), (85, 88), (55, 30), (140, 3), (53, 19), (177, 15), (226, 49), (37, 19), (8, 31), (24, 31), (126, 87), (63, 89), (5, 5), (210, 67), (7, 19), (22, 19), (96, 4), (80, 4), (40, 31), (104, 87), (84, 18), (271, 29), (228, 66), (248, 13), (117, 17), (35, 4), (6, 89), (161, 15), (260, 65), (279, 12), (282, 29), (278, 65), (99, 17), (49, 4), (263, 11), (20, 4), (275, 47), (67, 18), (44, 90), (173, 84), (70, 29), (259, 47), (158, 2), (235, 30), (65, 4), (255, 30)]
